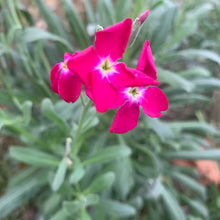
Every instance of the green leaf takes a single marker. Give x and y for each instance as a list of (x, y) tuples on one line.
[(26, 109), (124, 176), (49, 112), (6, 121), (51, 204), (33, 157), (199, 53), (101, 183), (192, 217), (33, 34), (91, 120), (21, 193), (174, 80), (161, 128), (122, 9), (184, 99), (77, 174), (194, 155), (172, 205), (19, 177), (76, 25), (191, 183), (62, 214), (60, 174), (188, 25), (106, 13), (72, 207), (89, 11), (194, 127), (197, 207), (54, 23), (117, 209), (165, 26), (205, 85), (108, 154), (195, 73)]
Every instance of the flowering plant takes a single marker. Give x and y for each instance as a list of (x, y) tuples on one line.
[(109, 83), (61, 157)]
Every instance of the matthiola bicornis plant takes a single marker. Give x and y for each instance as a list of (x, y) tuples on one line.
[(109, 83)]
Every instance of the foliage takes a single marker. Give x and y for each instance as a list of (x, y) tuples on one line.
[(101, 175)]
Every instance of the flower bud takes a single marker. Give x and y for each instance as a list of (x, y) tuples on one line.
[(99, 28), (136, 27), (144, 16), (68, 145)]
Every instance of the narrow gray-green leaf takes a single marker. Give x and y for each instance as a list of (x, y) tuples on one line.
[(174, 80), (60, 174), (191, 183), (108, 154), (196, 206), (122, 9), (172, 205), (33, 34), (21, 193), (101, 183), (89, 11), (117, 209), (33, 156), (213, 154), (77, 174), (49, 112), (199, 53), (62, 214), (76, 24)]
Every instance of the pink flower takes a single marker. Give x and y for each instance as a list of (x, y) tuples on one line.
[(151, 99), (97, 68), (64, 81)]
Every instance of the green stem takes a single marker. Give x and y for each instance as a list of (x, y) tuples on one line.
[(76, 143)]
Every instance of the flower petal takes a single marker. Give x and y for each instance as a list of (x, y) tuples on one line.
[(83, 63), (88, 92), (153, 101), (69, 86), (122, 97), (141, 79), (69, 55), (112, 41), (121, 77), (54, 77), (126, 118), (103, 93), (146, 62)]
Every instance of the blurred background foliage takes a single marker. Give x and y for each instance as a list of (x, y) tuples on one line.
[(163, 169)]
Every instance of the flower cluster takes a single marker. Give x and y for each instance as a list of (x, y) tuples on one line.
[(109, 82)]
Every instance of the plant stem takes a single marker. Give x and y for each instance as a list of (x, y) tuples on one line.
[(76, 143)]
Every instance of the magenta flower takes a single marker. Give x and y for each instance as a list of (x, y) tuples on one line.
[(151, 99), (64, 81), (97, 68)]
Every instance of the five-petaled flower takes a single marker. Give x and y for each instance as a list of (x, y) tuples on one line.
[(97, 68), (151, 99), (110, 83)]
